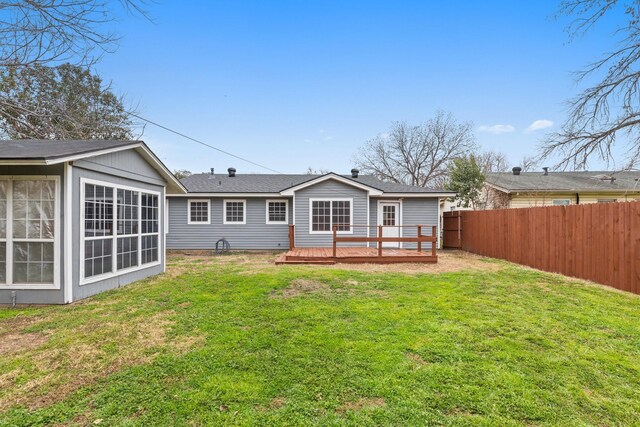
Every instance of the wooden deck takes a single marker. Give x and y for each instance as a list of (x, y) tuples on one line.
[(354, 255)]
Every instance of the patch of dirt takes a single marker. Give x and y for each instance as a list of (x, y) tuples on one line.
[(276, 403), (361, 404), (299, 287), (16, 342), (417, 359)]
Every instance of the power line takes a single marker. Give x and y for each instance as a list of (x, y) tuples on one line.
[(202, 143)]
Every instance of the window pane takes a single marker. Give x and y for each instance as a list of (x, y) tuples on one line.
[(150, 216), (149, 249), (98, 210), (3, 262), (127, 252), (33, 262), (199, 211), (33, 211), (277, 211), (127, 212), (341, 212), (321, 216), (98, 257), (3, 209), (234, 212)]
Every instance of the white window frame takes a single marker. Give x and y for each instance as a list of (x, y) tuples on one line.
[(9, 237), (609, 200), (189, 202), (114, 236), (553, 202), (331, 199), (224, 212), (286, 211)]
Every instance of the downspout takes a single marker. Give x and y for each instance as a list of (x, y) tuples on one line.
[(577, 198)]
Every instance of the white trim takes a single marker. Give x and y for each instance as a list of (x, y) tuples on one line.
[(208, 221), (330, 199), (224, 212), (419, 195), (398, 217), (68, 233), (225, 195), (114, 236), (372, 191), (165, 221), (294, 212), (10, 239), (286, 202)]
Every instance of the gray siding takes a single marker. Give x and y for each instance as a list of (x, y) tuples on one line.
[(40, 296), (255, 234), (327, 190), (95, 169), (415, 211)]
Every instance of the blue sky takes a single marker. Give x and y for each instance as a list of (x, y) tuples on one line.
[(293, 84)]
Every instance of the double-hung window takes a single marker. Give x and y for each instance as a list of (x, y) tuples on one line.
[(277, 211), (327, 213), (120, 229), (235, 212), (28, 232), (199, 211)]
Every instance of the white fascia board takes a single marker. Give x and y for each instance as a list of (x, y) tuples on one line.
[(372, 191), (419, 195), (200, 195)]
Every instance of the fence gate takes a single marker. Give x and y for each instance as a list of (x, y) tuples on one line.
[(452, 230)]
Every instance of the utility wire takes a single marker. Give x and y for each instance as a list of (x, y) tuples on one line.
[(202, 143)]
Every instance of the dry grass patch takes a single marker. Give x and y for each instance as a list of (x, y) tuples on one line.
[(360, 404), (16, 342), (299, 287), (417, 359), (67, 360)]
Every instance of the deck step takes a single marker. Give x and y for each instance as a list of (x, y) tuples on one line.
[(308, 262)]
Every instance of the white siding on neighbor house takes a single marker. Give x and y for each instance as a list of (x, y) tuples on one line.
[(329, 189), (529, 200), (255, 234)]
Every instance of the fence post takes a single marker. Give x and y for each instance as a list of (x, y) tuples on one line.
[(434, 231), (379, 240), (335, 231), (419, 241)]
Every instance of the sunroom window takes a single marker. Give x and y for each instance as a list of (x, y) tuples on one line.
[(28, 231)]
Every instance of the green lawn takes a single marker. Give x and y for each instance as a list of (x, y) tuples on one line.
[(237, 341)]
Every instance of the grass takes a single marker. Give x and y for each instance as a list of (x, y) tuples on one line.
[(237, 341)]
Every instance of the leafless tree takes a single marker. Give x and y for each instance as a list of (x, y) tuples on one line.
[(36, 32), (609, 109), (492, 161), (417, 155), (313, 171), (182, 173), (529, 163)]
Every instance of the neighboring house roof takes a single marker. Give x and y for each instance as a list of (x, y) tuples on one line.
[(51, 152), (595, 181), (275, 184)]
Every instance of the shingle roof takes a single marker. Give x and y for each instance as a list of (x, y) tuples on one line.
[(597, 181), (271, 183), (47, 149)]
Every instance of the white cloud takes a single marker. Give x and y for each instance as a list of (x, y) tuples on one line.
[(497, 129), (539, 125)]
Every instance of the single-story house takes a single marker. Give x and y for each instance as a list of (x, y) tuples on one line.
[(79, 217), (518, 189), (258, 211)]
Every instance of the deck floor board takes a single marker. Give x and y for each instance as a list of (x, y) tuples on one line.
[(355, 255)]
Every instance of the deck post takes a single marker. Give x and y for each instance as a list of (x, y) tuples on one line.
[(434, 231), (419, 241), (292, 241), (379, 240), (335, 232)]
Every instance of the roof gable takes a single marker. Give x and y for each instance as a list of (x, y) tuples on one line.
[(332, 176)]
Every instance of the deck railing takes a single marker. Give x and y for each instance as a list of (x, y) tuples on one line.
[(379, 239)]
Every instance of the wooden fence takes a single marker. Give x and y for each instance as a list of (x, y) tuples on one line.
[(598, 242)]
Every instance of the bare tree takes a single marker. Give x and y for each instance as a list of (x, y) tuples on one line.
[(313, 171), (492, 161), (417, 155), (55, 31), (610, 109), (529, 163), (182, 173)]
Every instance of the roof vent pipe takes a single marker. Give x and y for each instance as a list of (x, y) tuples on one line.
[(212, 171), (354, 173), (516, 170), (546, 171), (232, 172)]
